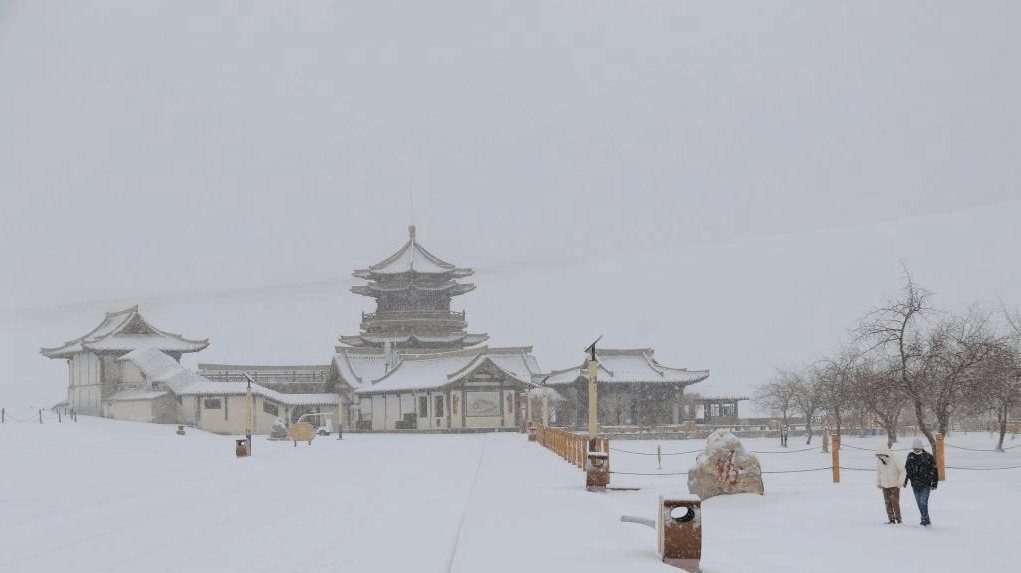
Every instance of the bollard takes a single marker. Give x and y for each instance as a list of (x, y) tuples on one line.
[(941, 465), (835, 446), (597, 471), (679, 528)]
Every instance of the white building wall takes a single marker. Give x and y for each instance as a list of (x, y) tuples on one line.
[(393, 411), (130, 374), (84, 388), (133, 410), (378, 412)]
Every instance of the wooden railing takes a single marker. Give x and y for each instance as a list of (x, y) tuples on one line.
[(568, 445)]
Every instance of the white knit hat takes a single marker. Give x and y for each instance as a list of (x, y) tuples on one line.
[(917, 444)]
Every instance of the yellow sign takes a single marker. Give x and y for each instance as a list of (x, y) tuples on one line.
[(302, 432)]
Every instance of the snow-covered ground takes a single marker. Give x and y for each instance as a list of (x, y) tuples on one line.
[(104, 495)]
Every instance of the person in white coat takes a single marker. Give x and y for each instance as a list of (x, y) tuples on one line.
[(890, 476)]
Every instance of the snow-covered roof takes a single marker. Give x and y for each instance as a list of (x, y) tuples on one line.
[(454, 288), (125, 330), (359, 340), (264, 368), (628, 366), (276, 374), (360, 366), (438, 369), (158, 367), (210, 388), (412, 257), (518, 360)]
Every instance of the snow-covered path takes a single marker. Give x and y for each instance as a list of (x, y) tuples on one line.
[(133, 497), (116, 496)]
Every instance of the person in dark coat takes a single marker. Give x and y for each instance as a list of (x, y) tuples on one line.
[(923, 475)]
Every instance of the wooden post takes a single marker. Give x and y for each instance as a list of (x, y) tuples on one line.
[(59, 420), (941, 466), (835, 446), (659, 456), (40, 416)]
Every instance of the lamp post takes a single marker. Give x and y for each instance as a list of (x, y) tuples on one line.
[(248, 415), (545, 404), (593, 397), (597, 465)]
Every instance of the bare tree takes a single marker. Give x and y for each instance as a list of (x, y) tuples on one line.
[(895, 328), (835, 391), (777, 396), (876, 389), (806, 399), (954, 361), (1003, 375)]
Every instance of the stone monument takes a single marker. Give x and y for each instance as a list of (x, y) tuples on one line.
[(724, 467)]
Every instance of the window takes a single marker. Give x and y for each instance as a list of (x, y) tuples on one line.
[(211, 403), (438, 407), (270, 409), (423, 406)]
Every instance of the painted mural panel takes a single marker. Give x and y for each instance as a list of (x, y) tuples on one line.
[(479, 404)]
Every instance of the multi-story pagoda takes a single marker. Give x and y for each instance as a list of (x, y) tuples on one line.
[(413, 289)]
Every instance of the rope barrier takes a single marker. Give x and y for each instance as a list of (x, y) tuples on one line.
[(843, 468), (641, 474), (654, 453), (984, 469), (699, 450), (11, 418), (846, 445), (978, 450), (786, 452)]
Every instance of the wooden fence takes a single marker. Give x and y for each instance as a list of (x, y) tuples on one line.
[(569, 445)]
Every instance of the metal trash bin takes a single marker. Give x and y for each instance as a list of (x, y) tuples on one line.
[(597, 471), (242, 449), (679, 528), (531, 431), (180, 430)]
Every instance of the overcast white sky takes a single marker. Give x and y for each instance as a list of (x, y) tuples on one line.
[(175, 147)]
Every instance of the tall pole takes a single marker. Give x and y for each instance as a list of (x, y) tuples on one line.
[(593, 397), (248, 415), (545, 405)]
